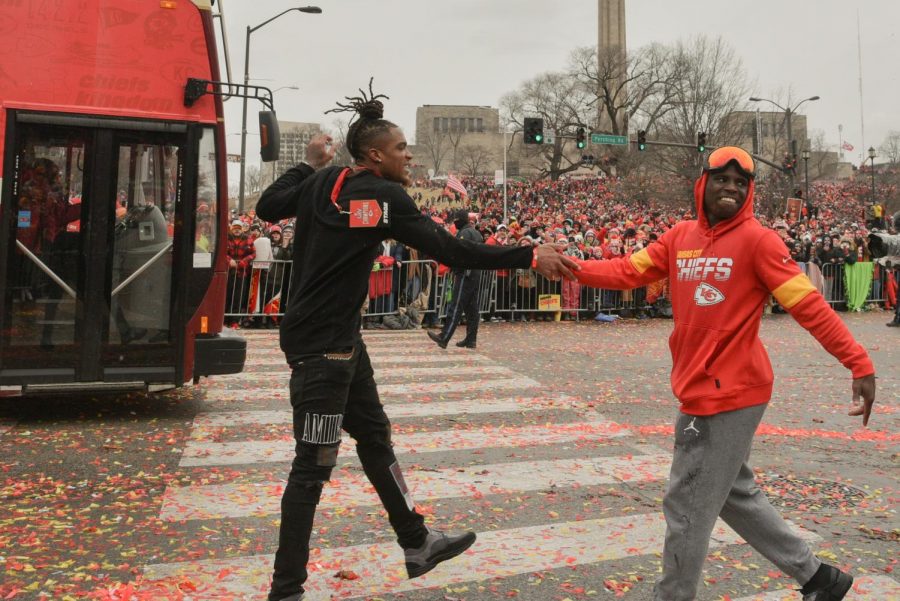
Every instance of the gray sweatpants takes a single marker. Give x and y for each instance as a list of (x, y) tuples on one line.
[(711, 477)]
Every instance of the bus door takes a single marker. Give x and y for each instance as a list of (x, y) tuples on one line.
[(90, 292)]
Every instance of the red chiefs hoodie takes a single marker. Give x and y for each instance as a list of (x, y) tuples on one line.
[(720, 278)]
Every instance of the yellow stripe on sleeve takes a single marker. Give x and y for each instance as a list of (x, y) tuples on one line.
[(641, 260), (793, 291)]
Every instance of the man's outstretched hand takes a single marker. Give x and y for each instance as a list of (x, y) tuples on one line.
[(553, 265), (863, 397)]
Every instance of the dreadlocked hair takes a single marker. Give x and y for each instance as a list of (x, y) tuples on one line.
[(370, 123)]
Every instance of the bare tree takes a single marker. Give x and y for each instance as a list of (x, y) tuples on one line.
[(436, 145), (822, 162), (475, 159), (562, 101), (890, 148), (638, 87), (455, 136), (339, 133), (711, 84), (254, 180)]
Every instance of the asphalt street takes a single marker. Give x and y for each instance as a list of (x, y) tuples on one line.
[(551, 440)]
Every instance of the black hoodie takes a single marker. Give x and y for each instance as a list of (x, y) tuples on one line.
[(332, 261)]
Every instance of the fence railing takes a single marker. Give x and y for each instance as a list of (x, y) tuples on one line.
[(264, 291), (835, 289)]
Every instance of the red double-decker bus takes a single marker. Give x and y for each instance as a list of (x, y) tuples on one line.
[(114, 196)]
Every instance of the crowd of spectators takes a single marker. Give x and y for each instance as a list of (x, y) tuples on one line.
[(594, 219)]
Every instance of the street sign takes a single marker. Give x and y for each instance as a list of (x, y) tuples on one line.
[(609, 139), (234, 158)]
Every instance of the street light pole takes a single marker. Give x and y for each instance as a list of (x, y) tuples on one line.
[(806, 171), (788, 113), (872, 156), (504, 179), (303, 9)]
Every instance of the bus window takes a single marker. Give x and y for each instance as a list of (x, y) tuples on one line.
[(205, 233), (45, 267), (142, 246)]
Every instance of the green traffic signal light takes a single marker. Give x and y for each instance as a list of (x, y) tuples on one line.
[(579, 138), (701, 142), (642, 140), (533, 130)]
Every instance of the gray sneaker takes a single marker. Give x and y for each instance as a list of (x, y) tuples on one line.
[(838, 584), (437, 547)]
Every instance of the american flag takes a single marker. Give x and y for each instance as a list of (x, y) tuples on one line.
[(454, 184), (847, 146)]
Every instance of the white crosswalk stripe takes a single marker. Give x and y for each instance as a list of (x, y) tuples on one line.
[(386, 390), (197, 453), (351, 489), (205, 422), (385, 360), (383, 351), (381, 374), (495, 554)]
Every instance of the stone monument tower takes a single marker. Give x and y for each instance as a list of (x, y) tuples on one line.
[(611, 40)]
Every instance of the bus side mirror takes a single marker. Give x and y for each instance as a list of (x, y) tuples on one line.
[(269, 136)]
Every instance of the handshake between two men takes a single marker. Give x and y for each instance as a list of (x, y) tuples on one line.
[(552, 264)]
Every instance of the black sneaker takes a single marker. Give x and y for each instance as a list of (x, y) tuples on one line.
[(297, 597), (437, 339), (437, 547), (464, 344), (838, 584), (893, 324)]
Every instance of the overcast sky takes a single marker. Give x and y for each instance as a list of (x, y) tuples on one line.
[(474, 51)]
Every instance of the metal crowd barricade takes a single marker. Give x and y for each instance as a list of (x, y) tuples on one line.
[(263, 290), (487, 292), (834, 288), (403, 285)]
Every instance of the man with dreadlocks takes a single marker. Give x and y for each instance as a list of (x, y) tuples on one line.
[(343, 215)]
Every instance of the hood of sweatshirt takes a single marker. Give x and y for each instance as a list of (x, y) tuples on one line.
[(745, 213)]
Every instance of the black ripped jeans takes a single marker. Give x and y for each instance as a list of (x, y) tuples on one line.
[(329, 393)]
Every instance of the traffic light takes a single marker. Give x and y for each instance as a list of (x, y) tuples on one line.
[(579, 138), (534, 130), (701, 142), (642, 140)]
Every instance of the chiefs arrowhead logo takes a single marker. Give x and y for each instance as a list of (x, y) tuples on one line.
[(706, 295)]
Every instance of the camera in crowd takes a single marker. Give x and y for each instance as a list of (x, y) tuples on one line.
[(882, 244)]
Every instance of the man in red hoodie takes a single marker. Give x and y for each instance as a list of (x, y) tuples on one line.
[(722, 267)]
